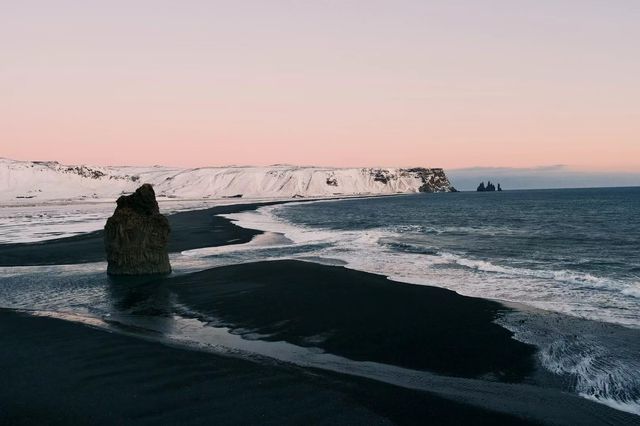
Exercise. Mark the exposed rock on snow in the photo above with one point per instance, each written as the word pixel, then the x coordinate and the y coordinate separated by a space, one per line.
pixel 54 181
pixel 136 236
pixel 433 180
pixel 331 180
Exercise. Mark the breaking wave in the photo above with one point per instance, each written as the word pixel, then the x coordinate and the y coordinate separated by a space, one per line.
pixel 407 253
pixel 397 253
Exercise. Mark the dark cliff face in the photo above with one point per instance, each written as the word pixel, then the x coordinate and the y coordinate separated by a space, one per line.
pixel 433 180
pixel 136 236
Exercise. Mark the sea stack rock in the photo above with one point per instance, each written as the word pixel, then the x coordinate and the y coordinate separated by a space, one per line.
pixel 136 236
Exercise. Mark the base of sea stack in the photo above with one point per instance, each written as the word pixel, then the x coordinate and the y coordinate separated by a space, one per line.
pixel 161 266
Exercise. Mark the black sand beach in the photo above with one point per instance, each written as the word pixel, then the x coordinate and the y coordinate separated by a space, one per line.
pixel 189 230
pixel 59 372
pixel 358 315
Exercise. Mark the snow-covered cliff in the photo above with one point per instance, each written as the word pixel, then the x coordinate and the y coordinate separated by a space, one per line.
pixel 38 180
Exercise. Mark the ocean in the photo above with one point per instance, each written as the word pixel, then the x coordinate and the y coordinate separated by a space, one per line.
pixel 566 259
pixel 575 251
pixel 570 259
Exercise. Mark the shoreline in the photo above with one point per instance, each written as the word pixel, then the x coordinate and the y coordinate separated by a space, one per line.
pixel 258 302
pixel 482 400
pixel 301 234
pixel 189 230
pixel 223 201
pixel 94 376
pixel 88 246
pixel 324 307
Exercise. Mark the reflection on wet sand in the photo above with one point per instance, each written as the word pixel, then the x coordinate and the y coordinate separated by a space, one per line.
pixel 140 303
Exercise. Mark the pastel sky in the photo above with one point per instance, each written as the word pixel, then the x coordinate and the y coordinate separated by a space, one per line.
pixel 451 83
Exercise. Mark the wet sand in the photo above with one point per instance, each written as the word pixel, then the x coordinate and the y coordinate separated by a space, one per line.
pixel 189 230
pixel 58 372
pixel 359 316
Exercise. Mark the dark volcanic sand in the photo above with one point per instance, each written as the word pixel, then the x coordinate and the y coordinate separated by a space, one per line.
pixel 358 315
pixel 56 372
pixel 189 230
pixel 366 317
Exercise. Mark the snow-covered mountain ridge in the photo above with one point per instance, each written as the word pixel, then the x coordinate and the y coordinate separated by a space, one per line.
pixel 50 180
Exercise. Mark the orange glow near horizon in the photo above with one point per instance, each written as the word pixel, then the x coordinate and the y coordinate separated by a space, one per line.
pixel 326 83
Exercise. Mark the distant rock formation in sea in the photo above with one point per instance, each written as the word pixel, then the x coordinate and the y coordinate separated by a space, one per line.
pixel 490 187
pixel 49 180
pixel 136 236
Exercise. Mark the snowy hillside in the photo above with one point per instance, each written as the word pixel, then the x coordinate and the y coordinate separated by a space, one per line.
pixel 39 181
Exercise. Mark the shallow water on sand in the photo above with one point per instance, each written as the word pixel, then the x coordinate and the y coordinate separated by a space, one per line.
pixel 571 252
pixel 589 351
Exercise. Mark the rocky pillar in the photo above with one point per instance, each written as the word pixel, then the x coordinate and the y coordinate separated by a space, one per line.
pixel 136 236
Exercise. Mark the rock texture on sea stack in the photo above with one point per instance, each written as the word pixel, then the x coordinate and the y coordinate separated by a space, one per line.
pixel 136 236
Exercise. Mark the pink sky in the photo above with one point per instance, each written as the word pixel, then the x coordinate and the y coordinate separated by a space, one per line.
pixel 343 83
